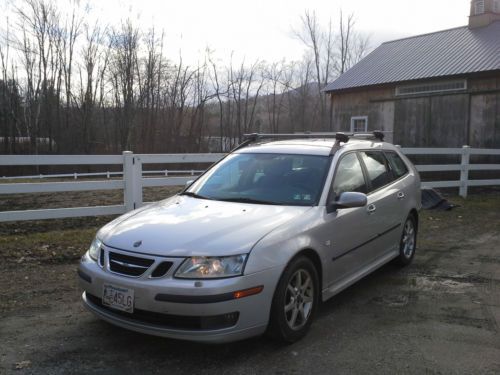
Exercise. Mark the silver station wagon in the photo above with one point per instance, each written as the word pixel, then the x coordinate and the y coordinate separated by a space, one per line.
pixel 254 245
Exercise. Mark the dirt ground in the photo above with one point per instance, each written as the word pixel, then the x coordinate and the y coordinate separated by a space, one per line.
pixel 440 315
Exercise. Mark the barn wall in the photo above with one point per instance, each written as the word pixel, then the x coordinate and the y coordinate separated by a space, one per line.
pixel 380 114
pixel 435 120
pixel 485 113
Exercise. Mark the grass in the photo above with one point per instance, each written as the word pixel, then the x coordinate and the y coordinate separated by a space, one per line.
pixel 65 240
pixel 473 216
pixel 61 240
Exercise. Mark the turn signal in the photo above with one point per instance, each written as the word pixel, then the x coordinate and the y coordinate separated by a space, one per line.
pixel 248 292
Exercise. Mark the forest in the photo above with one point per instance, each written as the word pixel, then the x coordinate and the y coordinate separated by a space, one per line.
pixel 71 85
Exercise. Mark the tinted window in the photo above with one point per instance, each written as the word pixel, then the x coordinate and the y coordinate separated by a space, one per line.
pixel 397 164
pixel 349 176
pixel 376 166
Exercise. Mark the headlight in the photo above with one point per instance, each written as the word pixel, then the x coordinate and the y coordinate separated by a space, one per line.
pixel 211 267
pixel 94 248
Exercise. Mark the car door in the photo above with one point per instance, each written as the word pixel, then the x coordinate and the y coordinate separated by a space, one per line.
pixel 345 232
pixel 382 205
pixel 403 184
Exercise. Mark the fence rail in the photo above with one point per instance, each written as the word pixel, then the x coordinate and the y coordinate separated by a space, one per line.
pixel 464 167
pixel 134 178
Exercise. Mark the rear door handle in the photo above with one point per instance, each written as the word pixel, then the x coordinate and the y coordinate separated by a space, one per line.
pixel 401 195
pixel 371 208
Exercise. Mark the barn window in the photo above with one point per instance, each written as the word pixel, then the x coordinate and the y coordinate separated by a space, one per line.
pixel 359 124
pixel 433 87
pixel 479 7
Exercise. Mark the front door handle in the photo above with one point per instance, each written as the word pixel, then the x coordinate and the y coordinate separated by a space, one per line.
pixel 401 195
pixel 371 208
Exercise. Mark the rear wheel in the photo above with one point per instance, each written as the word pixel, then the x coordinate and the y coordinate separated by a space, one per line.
pixel 408 243
pixel 295 301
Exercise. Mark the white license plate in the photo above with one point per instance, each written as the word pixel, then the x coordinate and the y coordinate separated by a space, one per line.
pixel 118 297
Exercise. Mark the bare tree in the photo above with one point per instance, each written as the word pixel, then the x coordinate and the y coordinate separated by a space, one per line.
pixel 123 71
pixel 91 70
pixel 36 19
pixel 92 88
pixel 352 46
pixel 302 99
pixel 201 95
pixel 318 42
pixel 149 81
pixel 218 93
pixel 10 99
pixel 278 78
pixel 72 31
pixel 330 53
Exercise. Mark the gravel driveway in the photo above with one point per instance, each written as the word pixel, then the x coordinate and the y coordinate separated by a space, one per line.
pixel 439 315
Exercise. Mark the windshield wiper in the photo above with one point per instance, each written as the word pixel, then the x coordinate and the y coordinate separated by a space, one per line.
pixel 248 200
pixel 194 195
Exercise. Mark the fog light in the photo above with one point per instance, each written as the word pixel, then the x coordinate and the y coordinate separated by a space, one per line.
pixel 220 321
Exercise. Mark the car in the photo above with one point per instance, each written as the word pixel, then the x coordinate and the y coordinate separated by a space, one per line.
pixel 258 241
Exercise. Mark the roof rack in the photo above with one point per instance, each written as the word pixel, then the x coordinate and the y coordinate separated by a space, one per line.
pixel 338 136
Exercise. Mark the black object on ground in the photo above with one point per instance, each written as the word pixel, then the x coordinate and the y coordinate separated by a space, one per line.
pixel 432 200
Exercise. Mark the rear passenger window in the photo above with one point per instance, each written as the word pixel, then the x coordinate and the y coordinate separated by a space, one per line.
pixel 376 167
pixel 349 176
pixel 397 164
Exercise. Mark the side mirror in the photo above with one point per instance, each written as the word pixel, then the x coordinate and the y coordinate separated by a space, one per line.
pixel 348 200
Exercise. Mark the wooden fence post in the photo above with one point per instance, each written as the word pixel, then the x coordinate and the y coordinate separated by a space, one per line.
pixel 132 178
pixel 464 171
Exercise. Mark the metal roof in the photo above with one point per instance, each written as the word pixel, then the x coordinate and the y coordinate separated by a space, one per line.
pixel 443 53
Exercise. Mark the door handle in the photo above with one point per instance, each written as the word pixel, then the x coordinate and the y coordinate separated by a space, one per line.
pixel 401 195
pixel 371 208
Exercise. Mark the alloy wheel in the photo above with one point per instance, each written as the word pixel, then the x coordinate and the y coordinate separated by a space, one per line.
pixel 408 241
pixel 299 299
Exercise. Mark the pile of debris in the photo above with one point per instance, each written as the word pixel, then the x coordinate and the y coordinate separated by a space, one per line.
pixel 432 200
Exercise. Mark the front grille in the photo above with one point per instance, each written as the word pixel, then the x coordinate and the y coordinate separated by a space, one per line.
pixel 172 321
pixel 128 265
pixel 161 269
pixel 101 257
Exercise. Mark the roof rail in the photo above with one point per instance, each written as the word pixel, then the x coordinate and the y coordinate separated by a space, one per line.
pixel 377 134
pixel 338 136
pixel 259 136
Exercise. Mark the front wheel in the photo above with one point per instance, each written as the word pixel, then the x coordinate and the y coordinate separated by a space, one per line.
pixel 295 301
pixel 408 242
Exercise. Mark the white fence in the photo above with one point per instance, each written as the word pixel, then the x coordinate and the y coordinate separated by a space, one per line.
pixel 464 167
pixel 131 184
pixel 133 181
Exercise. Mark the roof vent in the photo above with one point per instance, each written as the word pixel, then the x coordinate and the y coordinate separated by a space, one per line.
pixel 431 87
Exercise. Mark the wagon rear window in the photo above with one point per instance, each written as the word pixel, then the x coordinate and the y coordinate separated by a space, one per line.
pixel 398 166
pixel 376 167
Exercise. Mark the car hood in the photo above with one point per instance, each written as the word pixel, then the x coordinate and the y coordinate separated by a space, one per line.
pixel 186 226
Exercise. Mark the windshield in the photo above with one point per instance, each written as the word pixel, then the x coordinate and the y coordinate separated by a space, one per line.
pixel 283 179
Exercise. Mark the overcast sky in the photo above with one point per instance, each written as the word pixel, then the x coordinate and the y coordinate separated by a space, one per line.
pixel 261 29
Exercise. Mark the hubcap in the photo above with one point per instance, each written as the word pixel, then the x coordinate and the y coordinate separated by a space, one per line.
pixel 299 298
pixel 408 242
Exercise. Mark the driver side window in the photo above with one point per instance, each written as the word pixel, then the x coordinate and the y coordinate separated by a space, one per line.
pixel 349 176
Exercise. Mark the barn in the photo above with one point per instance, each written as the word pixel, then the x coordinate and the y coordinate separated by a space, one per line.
pixel 440 89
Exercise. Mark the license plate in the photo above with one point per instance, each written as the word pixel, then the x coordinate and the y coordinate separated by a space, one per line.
pixel 118 298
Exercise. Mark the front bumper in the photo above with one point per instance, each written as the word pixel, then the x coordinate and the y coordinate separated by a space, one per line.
pixel 187 301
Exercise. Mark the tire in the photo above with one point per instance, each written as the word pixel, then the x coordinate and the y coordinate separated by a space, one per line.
pixel 408 242
pixel 295 301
